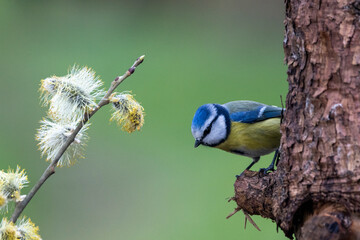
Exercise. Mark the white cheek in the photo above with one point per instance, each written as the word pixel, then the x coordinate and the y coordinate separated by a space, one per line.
pixel 217 133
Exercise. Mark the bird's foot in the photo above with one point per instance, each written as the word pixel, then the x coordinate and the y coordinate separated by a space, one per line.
pixel 238 176
pixel 265 171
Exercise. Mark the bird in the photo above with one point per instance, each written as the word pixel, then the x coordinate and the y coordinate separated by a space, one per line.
pixel 246 128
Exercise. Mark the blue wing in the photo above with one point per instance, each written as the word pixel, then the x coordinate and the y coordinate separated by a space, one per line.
pixel 258 114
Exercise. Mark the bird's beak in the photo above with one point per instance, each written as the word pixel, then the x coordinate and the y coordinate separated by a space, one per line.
pixel 197 143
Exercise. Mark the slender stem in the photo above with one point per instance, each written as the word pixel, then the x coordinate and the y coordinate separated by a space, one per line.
pixel 50 170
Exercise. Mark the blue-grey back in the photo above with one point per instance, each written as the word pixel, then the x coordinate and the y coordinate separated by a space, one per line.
pixel 242 106
pixel 251 112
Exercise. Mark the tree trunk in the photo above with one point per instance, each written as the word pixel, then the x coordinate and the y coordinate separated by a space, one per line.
pixel 315 191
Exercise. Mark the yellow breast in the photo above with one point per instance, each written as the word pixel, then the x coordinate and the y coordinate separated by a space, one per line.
pixel 253 139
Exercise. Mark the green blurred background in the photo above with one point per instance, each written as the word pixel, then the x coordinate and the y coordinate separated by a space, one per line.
pixel 151 184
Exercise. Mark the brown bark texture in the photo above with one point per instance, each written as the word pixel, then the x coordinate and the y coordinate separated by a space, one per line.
pixel 315 191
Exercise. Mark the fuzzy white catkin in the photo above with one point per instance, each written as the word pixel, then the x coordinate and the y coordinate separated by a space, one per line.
pixel 11 182
pixel 27 230
pixel 53 135
pixel 71 96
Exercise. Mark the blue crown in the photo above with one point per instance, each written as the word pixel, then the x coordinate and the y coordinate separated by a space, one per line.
pixel 201 115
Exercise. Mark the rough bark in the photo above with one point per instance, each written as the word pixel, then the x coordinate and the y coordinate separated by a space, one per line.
pixel 315 191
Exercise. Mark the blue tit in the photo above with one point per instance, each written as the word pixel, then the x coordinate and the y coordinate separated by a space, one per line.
pixel 246 128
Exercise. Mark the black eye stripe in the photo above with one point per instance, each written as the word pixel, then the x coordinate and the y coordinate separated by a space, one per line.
pixel 208 129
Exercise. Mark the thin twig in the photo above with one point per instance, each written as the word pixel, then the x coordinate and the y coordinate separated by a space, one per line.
pixel 233 213
pixel 247 217
pixel 50 170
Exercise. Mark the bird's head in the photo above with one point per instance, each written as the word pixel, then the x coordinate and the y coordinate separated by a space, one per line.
pixel 211 125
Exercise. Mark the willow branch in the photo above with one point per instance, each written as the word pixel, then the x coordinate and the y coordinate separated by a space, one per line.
pixel 50 170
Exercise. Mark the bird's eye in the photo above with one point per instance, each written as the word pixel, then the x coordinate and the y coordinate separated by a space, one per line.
pixel 207 130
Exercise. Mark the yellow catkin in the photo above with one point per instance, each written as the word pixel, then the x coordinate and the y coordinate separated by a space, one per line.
pixel 2 200
pixel 8 230
pixel 28 230
pixel 128 112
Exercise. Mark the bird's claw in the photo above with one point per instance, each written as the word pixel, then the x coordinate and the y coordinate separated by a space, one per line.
pixel 238 176
pixel 265 171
